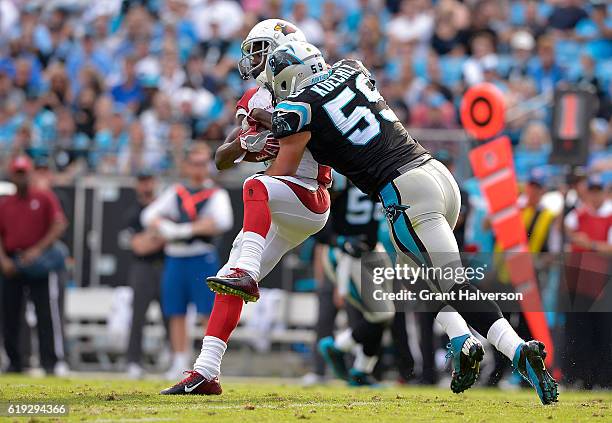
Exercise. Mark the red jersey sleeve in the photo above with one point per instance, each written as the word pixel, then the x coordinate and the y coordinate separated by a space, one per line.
pixel 242 107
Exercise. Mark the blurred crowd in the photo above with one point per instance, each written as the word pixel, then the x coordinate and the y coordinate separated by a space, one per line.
pixel 122 86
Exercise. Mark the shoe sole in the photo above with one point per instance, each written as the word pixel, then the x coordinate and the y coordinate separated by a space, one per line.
pixel 459 385
pixel 221 288
pixel 537 375
pixel 327 356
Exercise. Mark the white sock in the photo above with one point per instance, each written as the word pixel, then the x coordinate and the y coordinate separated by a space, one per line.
pixel 503 337
pixel 364 363
pixel 208 363
pixel 250 253
pixel 452 323
pixel 344 340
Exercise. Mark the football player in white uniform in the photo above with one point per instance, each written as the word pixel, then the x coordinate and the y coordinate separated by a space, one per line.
pixel 279 212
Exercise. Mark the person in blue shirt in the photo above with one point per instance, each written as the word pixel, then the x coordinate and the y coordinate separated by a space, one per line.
pixel 543 69
pixel 596 30
pixel 129 92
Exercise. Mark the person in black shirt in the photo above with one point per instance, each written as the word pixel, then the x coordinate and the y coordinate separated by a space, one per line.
pixel 350 233
pixel 145 269
pixel 339 115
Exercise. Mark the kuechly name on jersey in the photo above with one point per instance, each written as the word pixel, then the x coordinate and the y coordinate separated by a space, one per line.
pixel 353 130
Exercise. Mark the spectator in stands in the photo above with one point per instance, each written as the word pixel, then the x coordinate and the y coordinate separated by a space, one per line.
pixel 413 23
pixel 156 122
pixel 544 70
pixel 596 30
pixel 145 269
pixel 129 92
pixel 68 155
pixel 522 44
pixel 533 149
pixel 31 221
pixel 111 136
pixel 589 229
pixel 482 46
pixel 188 217
pixel 566 14
pixel 449 34
pixel 588 80
pixel 311 27
pixel 87 53
pixel 134 157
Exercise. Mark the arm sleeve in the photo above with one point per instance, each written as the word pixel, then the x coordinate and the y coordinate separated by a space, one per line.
pixel 290 117
pixel 219 208
pixel 242 107
pixel 163 206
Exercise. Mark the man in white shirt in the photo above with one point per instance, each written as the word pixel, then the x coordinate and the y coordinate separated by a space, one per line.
pixel 188 217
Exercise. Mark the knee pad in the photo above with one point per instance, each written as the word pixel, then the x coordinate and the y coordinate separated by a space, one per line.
pixel 254 190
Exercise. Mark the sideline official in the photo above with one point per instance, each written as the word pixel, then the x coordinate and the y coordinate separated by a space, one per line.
pixel 189 217
pixel 31 220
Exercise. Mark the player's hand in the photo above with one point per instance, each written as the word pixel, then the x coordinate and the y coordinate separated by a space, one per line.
pixel 8 267
pixel 254 142
pixel 355 246
pixel 30 255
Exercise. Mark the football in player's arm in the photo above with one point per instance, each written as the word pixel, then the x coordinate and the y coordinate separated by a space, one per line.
pixel 233 147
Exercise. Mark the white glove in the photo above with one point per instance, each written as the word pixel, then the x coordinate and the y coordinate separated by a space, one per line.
pixel 254 143
pixel 172 231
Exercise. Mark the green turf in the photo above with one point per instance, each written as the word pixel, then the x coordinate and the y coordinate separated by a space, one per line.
pixel 267 401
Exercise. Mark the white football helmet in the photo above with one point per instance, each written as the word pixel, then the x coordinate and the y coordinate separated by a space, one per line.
pixel 294 66
pixel 263 39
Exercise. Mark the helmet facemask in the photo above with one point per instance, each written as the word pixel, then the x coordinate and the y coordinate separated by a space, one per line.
pixel 254 54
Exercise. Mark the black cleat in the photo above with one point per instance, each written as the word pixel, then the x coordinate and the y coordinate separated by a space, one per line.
pixel 334 357
pixel 238 283
pixel 467 353
pixel 358 378
pixel 529 362
pixel 194 384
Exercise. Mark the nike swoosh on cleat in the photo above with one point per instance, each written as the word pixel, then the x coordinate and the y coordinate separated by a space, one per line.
pixel 188 389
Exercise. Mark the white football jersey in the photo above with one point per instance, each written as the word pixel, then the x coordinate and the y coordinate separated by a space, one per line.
pixel 309 173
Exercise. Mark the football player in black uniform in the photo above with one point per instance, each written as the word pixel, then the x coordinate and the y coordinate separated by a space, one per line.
pixel 352 231
pixel 343 120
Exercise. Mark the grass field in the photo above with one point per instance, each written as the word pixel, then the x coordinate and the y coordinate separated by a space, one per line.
pixel 106 400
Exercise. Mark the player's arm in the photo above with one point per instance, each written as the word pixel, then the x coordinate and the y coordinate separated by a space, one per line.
pixel 230 150
pixel 262 117
pixel 290 154
pixel 291 127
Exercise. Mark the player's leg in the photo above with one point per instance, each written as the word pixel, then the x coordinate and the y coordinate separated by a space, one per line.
pixel 291 223
pixel 363 339
pixel 296 212
pixel 419 227
pixel 429 199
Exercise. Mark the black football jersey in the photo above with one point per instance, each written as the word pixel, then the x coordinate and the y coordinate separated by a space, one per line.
pixel 353 213
pixel 353 130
